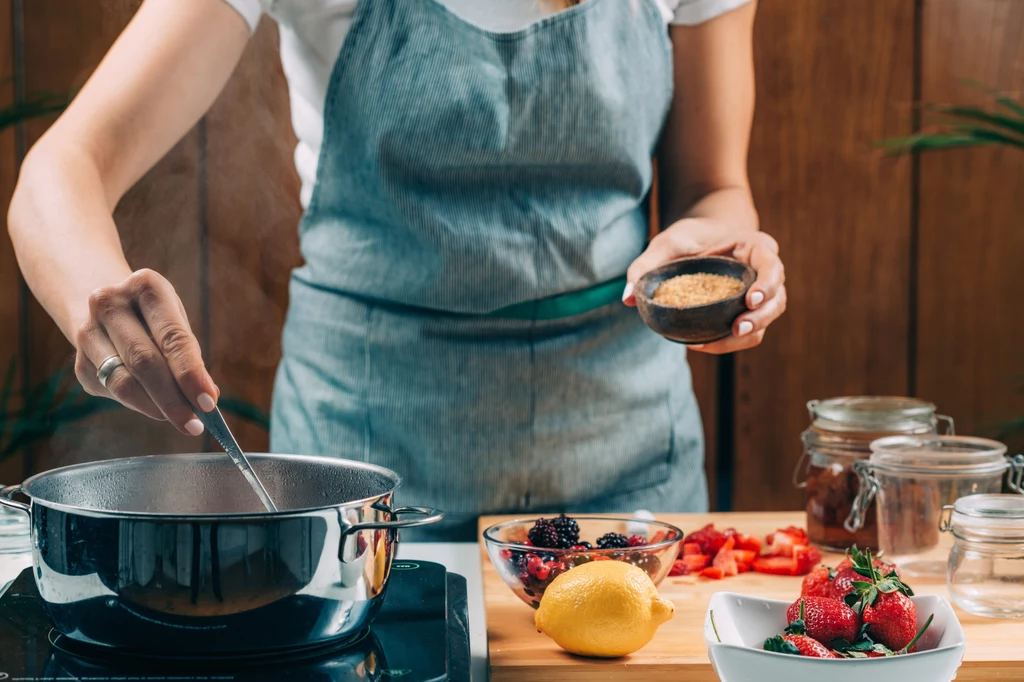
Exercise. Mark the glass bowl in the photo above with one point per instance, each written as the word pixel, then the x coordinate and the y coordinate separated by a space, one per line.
pixel 511 556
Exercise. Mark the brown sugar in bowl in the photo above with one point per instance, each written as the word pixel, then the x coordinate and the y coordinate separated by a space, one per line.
pixel 697 323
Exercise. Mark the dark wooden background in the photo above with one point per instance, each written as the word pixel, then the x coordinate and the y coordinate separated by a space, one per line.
pixel 901 272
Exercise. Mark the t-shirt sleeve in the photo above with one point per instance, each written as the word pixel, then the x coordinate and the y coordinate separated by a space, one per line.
pixel 693 12
pixel 251 10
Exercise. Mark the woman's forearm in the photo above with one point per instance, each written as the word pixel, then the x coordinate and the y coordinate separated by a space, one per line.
pixel 732 206
pixel 63 232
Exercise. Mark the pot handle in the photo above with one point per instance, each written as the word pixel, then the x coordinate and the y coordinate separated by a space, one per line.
pixel 865 496
pixel 7 499
pixel 426 514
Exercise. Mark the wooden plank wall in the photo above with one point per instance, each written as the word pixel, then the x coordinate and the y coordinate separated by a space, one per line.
pixel 833 77
pixel 899 273
pixel 970 326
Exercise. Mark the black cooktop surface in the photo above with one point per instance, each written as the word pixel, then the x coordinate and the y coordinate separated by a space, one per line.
pixel 420 634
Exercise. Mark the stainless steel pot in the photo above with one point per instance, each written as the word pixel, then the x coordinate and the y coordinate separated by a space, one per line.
pixel 174 553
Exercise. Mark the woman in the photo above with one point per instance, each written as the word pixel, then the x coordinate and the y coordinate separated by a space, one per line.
pixel 475 176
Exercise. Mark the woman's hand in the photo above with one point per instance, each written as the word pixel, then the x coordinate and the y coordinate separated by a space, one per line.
pixel 766 298
pixel 143 321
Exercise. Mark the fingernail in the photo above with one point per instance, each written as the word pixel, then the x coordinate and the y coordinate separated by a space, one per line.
pixel 695 346
pixel 628 291
pixel 745 328
pixel 756 298
pixel 206 403
pixel 194 427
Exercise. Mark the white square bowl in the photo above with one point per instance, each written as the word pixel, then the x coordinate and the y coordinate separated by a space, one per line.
pixel 744 622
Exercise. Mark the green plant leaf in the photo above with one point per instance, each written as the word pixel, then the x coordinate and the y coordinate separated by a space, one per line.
pixel 1015 125
pixel 39 105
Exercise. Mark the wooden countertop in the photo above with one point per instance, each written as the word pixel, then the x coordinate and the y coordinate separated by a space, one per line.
pixel 995 648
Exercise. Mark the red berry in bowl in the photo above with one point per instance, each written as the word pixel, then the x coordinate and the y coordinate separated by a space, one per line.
pixel 636 541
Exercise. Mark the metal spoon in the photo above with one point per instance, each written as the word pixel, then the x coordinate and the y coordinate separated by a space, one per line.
pixel 215 424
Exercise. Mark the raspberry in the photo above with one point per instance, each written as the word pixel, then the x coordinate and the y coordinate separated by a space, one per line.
pixel 636 541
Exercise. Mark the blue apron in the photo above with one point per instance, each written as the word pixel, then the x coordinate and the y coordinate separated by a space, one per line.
pixel 473 187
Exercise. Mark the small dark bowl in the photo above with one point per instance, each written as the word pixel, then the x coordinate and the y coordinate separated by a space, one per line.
pixel 696 324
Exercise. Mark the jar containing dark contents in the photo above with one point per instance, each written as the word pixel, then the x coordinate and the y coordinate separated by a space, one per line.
pixel 909 480
pixel 840 434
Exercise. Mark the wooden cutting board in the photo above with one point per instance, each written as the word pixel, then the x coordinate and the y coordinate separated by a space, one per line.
pixel 995 648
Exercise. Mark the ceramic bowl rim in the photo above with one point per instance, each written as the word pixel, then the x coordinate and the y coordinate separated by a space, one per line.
pixel 960 643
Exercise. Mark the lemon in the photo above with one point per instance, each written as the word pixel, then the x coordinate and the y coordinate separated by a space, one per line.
pixel 604 609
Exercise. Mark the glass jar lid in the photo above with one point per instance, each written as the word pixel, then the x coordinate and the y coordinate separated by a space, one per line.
pixel 939 455
pixel 880 414
pixel 986 518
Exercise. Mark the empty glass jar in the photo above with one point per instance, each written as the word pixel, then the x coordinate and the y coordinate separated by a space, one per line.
pixel 841 433
pixel 985 572
pixel 909 479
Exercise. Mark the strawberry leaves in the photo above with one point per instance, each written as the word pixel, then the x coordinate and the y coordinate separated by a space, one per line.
pixel 863 646
pixel 779 645
pixel 798 626
pixel 865 592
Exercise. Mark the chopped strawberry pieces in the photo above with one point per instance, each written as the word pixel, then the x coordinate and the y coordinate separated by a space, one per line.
pixel 692 563
pixel 775 565
pixel 691 548
pixel 744 556
pixel 712 573
pixel 709 539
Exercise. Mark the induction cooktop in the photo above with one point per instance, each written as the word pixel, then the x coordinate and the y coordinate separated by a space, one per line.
pixel 420 634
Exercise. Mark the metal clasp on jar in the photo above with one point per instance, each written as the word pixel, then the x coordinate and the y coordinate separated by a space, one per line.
pixel 865 497
pixel 946 518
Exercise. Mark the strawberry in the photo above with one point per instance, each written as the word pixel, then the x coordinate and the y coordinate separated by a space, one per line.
pixel 691 563
pixel 800 645
pixel 892 619
pixel 744 556
pixel 806 558
pixel 713 573
pixel 749 542
pixel 800 561
pixel 709 539
pixel 854 569
pixel 726 563
pixel 883 603
pixel 818 583
pixel 782 542
pixel 825 619
pixel 692 548
pixel 797 637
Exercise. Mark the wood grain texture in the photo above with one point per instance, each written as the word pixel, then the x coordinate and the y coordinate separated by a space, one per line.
pixel 677 652
pixel 157 220
pixel 11 469
pixel 972 224
pixel 252 216
pixel 834 77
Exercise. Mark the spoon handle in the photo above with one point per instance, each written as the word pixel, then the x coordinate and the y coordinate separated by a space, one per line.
pixel 218 428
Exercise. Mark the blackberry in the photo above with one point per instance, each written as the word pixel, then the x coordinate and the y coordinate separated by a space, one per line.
pixel 568 531
pixel 544 534
pixel 612 541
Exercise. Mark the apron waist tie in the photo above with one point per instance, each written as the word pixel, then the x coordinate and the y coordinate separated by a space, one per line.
pixel 569 304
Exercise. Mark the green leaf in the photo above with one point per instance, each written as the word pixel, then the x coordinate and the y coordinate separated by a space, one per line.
pixel 1014 125
pixel 780 646
pixel 1001 99
pixel 39 105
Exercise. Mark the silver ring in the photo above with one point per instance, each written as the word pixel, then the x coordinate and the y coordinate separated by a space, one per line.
pixel 107 368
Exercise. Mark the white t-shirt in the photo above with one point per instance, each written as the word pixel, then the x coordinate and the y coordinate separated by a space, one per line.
pixel 312 32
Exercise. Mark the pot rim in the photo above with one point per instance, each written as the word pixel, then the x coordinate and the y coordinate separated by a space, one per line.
pixel 194 517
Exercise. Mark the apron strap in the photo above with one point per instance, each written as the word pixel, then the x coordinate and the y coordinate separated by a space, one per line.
pixel 564 305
